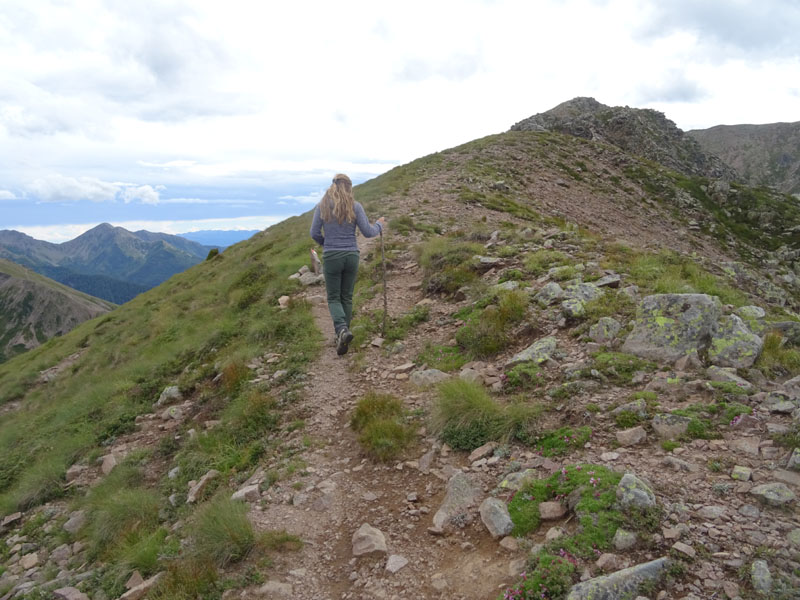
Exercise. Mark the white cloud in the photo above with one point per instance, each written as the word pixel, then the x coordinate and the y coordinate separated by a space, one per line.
pixel 64 233
pixel 60 188
pixel 6 195
pixel 143 193
pixel 311 198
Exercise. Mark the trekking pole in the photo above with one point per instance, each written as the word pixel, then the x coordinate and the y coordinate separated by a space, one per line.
pixel 385 302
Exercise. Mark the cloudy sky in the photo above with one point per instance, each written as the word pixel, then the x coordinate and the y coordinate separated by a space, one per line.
pixel 198 114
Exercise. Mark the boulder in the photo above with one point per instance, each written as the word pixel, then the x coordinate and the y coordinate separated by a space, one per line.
pixel 540 351
pixel 605 330
pixel 368 541
pixel 585 292
pixel 311 279
pixel 632 492
pixel 727 375
pixel 572 308
pixel 670 326
pixel 632 436
pixel 462 494
pixel 794 460
pixel 428 377
pixel 69 593
pixel 549 294
pixel 75 522
pixel 249 493
pixel 792 387
pixel 638 407
pixel 734 345
pixel 611 280
pixel 170 394
pixel 774 494
pixel 621 584
pixel 494 514
pixel 790 330
pixel 760 577
pixel 670 427
pixel 109 461
pixel 624 539
pixel 551 511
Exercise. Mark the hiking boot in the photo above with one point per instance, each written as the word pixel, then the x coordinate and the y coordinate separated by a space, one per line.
pixel 343 341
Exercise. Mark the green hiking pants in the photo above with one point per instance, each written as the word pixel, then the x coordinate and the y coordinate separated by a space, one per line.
pixel 340 269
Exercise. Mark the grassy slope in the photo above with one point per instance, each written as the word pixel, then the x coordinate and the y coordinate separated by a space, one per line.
pixel 222 311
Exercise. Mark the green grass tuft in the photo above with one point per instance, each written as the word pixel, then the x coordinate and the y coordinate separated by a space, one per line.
pixel 776 358
pixel 380 423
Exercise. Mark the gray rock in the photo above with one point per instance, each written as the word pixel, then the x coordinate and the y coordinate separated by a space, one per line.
pixel 248 493
pixel 171 393
pixel 494 514
pixel 790 330
pixel 794 460
pixel 727 375
pixel 173 413
pixel 774 494
pixel 792 387
pixel 750 313
pixel 109 461
pixel 538 352
pixel 605 330
pixel 612 281
pixel 573 308
pixel 462 494
pixel 69 593
pixel 585 292
pixel 395 563
pixel 741 473
pixel 515 481
pixel 632 436
pixel 506 286
pixel 368 540
pixel 551 511
pixel 141 590
pixel 638 407
pixel 670 427
pixel 74 472
pixel 711 512
pixel 734 345
pixel 311 279
pixel 482 452
pixel 549 294
pixel 61 554
pixel 75 522
pixel 624 539
pixel 794 537
pixel 273 590
pixel 670 326
pixel 428 377
pixel 621 584
pixel 632 492
pixel 197 489
pixel 760 577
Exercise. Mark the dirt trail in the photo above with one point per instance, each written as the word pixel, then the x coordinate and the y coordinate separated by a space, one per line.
pixel 343 489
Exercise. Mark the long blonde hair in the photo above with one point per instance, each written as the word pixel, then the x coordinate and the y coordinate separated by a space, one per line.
pixel 337 203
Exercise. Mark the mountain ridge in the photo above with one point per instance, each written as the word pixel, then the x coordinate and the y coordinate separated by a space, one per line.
pixel 103 255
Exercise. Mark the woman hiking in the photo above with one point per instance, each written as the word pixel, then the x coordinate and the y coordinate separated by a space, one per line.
pixel 338 214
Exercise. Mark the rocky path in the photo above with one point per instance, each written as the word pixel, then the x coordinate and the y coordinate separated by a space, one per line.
pixel 342 490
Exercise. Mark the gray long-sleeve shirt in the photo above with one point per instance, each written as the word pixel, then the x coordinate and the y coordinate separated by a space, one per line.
pixel 342 237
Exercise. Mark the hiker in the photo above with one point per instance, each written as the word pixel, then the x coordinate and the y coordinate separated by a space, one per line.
pixel 338 214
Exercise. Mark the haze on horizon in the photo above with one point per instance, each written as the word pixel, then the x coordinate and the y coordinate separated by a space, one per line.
pixel 176 116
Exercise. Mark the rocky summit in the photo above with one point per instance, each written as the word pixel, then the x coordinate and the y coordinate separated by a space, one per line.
pixel 584 383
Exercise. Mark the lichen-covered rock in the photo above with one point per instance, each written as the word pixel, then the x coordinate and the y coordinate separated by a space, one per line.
pixel 605 330
pixel 670 427
pixel 794 460
pixel 621 584
pixel 624 539
pixel 572 308
pixel 585 292
pixel 753 316
pixel 538 352
pixel 790 330
pixel 792 387
pixel 760 577
pixel 670 326
pixel 171 393
pixel 774 494
pixel 632 492
pixel 734 345
pixel 638 407
pixel 549 294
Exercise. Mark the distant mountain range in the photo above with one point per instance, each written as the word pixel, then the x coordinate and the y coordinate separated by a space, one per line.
pixel 108 262
pixel 34 308
pixel 761 154
pixel 219 237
